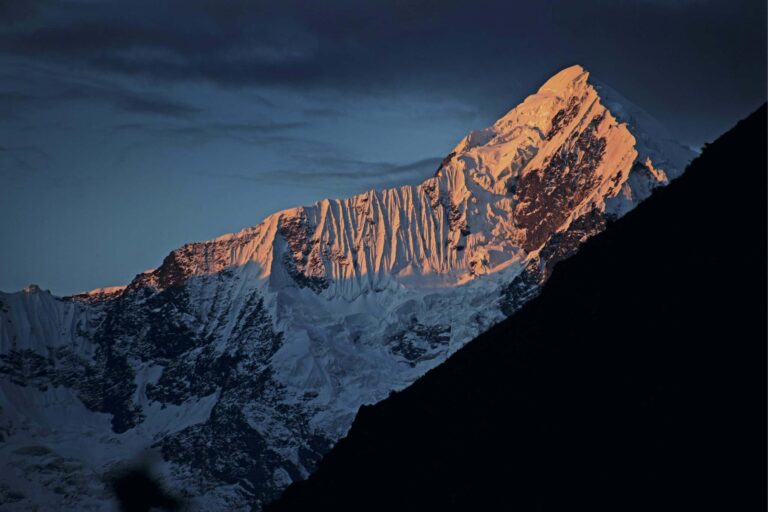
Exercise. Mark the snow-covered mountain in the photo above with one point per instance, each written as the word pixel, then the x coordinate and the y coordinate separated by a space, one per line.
pixel 241 360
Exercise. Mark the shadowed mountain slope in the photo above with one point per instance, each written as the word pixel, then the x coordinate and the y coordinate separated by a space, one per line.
pixel 635 381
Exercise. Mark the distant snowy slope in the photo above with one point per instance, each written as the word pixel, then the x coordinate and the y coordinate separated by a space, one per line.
pixel 241 360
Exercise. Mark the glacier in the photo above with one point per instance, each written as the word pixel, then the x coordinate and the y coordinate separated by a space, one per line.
pixel 239 361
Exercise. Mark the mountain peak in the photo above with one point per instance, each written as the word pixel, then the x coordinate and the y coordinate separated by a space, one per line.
pixel 565 80
pixel 475 216
pixel 563 90
pixel 263 344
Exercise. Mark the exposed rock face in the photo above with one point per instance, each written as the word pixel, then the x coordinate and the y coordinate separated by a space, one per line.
pixel 241 360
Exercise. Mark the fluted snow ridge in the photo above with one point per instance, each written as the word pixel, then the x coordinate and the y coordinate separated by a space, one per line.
pixel 471 218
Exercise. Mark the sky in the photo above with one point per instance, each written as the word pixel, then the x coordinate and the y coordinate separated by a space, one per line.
pixel 130 128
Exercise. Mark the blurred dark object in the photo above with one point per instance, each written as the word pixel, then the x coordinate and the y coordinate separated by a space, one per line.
pixel 137 491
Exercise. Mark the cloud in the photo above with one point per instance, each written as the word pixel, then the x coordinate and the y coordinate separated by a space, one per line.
pixel 24 149
pixel 363 170
pixel 253 133
pixel 17 159
pixel 486 53
pixel 32 85
pixel 475 52
pixel 336 173
pixel 214 127
pixel 282 140
pixel 130 101
pixel 15 11
pixel 116 97
pixel 324 113
pixel 302 160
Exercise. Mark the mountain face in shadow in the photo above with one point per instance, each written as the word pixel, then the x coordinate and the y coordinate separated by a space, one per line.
pixel 635 381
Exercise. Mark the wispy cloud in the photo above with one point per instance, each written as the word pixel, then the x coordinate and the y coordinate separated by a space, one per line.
pixel 27 85
pixel 262 134
pixel 15 159
pixel 334 174
pixel 383 48
pixel 119 98
pixel 324 113
pixel 215 128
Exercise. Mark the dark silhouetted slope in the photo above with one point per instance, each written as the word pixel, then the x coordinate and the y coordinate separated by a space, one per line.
pixel 636 381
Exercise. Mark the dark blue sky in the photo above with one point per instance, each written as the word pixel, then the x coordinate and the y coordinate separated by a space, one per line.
pixel 130 128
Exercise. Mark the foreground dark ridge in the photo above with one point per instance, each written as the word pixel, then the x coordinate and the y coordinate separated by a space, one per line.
pixel 635 381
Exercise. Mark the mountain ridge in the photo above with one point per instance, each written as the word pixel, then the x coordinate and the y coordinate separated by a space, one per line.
pixel 242 359
pixel 564 84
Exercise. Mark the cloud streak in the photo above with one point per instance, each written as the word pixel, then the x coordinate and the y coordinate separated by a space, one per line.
pixel 333 174
pixel 26 85
pixel 118 98
pixel 307 162
pixel 15 159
